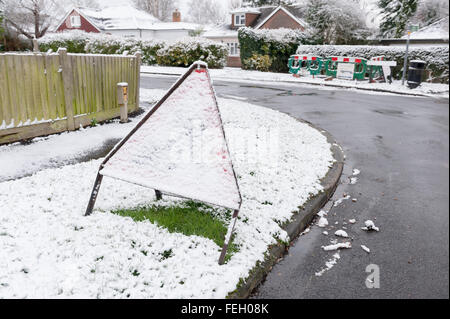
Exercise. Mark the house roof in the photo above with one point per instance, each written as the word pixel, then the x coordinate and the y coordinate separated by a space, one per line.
pixel 270 11
pixel 119 18
pixel 220 31
pixel 127 17
pixel 266 12
pixel 246 10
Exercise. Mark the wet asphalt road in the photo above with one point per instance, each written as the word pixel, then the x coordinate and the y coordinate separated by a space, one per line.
pixel 401 146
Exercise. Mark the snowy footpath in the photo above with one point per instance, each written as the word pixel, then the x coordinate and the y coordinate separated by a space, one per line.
pixel 239 75
pixel 48 249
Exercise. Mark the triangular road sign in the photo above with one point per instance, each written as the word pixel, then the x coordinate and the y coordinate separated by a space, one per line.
pixel 179 148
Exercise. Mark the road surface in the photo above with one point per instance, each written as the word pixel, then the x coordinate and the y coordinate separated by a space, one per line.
pixel 401 146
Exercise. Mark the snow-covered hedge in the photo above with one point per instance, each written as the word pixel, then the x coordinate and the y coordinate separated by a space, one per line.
pixel 437 58
pixel 181 53
pixel 116 45
pixel 73 41
pixel 278 44
pixel 187 51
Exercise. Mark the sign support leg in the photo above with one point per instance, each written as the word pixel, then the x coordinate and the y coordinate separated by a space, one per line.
pixel 94 194
pixel 228 239
pixel 158 194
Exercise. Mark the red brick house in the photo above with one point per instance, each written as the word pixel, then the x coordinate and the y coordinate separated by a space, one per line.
pixel 76 20
pixel 268 17
pixel 125 21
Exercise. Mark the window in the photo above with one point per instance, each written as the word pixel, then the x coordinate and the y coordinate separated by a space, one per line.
pixel 239 19
pixel 233 49
pixel 75 21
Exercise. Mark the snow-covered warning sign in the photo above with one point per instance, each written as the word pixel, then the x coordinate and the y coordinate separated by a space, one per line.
pixel 179 147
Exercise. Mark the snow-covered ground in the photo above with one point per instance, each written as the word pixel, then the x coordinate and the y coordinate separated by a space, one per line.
pixel 239 75
pixel 49 249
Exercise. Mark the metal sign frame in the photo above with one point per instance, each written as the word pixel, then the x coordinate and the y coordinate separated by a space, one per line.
pixel 196 67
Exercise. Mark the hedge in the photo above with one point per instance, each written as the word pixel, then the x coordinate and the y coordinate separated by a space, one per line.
pixel 277 45
pixel 185 52
pixel 436 58
pixel 180 53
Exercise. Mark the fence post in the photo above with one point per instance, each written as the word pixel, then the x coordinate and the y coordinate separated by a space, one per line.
pixel 138 80
pixel 66 67
pixel 122 99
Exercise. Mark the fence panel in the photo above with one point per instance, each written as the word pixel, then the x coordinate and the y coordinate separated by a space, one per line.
pixel 42 94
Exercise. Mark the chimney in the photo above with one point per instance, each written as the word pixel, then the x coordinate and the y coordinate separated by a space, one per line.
pixel 176 16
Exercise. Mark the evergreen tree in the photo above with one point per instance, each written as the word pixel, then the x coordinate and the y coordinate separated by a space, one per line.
pixel 336 21
pixel 430 11
pixel 396 15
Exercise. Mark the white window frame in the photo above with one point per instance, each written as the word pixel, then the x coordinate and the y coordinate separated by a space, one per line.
pixel 239 19
pixel 75 21
pixel 233 49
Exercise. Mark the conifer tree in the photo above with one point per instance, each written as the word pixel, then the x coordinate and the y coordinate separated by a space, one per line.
pixel 396 15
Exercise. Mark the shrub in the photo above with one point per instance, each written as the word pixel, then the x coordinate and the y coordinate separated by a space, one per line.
pixel 187 51
pixel 74 41
pixel 278 44
pixel 436 58
pixel 116 45
pixel 259 62
pixel 181 53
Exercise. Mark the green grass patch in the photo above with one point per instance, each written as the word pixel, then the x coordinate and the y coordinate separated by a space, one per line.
pixel 191 218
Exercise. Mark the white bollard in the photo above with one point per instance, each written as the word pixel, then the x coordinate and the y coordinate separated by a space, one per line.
pixel 122 100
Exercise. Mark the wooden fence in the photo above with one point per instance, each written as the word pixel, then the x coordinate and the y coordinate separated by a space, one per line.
pixel 42 94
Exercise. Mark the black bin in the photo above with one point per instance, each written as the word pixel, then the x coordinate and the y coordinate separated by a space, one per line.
pixel 415 73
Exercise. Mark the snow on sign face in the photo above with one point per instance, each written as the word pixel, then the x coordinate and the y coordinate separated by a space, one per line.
pixel 181 149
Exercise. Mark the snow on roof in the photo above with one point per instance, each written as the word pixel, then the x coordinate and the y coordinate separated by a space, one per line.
pixel 126 17
pixel 119 18
pixel 436 30
pixel 174 26
pixel 246 10
pixel 220 31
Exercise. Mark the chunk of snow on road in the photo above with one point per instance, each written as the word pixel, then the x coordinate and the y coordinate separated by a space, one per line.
pixel 323 222
pixel 341 233
pixel 52 250
pixel 337 246
pixel 352 221
pixel 356 172
pixel 370 226
pixel 325 233
pixel 353 180
pixel 354 200
pixel 306 231
pixel 329 264
pixel 341 200
pixel 322 213
pixel 366 249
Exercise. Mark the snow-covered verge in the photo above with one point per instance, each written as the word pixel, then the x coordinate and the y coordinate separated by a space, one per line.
pixel 236 75
pixel 48 249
